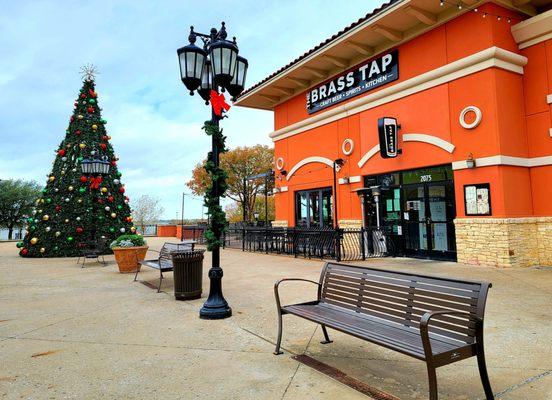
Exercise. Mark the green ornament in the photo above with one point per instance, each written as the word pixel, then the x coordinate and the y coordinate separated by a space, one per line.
pixel 32 228
pixel 19 245
pixel 30 220
pixel 101 217
pixel 70 238
pixel 92 101
pixel 79 158
pixel 111 229
pixel 119 174
pixel 48 200
pixel 82 190
pixel 56 248
pixel 119 207
pixel 103 121
pixel 44 190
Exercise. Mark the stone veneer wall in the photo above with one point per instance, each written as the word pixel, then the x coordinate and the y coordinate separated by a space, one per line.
pixel 504 242
pixel 350 223
pixel 280 224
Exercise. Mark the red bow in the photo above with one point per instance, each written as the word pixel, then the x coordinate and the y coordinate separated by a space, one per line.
pixel 218 102
pixel 95 182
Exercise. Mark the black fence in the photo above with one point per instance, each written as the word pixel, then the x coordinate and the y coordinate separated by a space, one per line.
pixel 337 244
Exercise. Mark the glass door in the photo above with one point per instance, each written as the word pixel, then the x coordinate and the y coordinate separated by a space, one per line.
pixel 313 208
pixel 428 219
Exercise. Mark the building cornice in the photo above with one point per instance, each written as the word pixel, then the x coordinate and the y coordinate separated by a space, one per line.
pixel 493 57
pixel 533 30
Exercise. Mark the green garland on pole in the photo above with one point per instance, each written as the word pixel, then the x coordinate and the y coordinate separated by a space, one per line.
pixel 218 176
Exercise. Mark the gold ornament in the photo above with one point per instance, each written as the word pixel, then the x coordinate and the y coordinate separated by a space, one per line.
pixel 82 146
pixel 80 116
pixel 70 188
pixel 133 229
pixel 94 126
pixel 45 217
pixel 52 178
pixel 104 190
pixel 113 215
pixel 79 200
pixel 42 201
pixel 42 249
pixel 34 240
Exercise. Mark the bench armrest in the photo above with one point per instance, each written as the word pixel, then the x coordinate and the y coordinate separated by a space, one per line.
pixel 277 284
pixel 426 319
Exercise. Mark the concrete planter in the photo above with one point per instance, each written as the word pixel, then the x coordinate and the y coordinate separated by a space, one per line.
pixel 127 258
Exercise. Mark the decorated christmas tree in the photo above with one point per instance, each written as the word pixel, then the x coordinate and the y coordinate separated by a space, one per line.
pixel 84 200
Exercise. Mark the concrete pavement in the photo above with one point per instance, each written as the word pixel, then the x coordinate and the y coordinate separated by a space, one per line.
pixel 67 332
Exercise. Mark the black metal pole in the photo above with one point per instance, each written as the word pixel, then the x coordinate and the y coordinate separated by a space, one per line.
pixel 266 200
pixel 244 201
pixel 182 220
pixel 336 224
pixel 216 306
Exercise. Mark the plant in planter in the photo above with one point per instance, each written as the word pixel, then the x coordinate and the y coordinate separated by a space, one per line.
pixel 129 250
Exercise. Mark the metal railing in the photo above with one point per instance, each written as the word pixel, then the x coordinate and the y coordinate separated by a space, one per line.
pixel 338 244
pixel 196 233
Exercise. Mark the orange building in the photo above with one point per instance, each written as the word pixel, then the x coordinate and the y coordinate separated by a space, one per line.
pixel 439 115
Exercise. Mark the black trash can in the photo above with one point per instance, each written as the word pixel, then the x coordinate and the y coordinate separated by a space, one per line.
pixel 188 274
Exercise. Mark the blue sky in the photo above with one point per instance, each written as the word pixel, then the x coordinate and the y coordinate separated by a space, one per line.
pixel 155 125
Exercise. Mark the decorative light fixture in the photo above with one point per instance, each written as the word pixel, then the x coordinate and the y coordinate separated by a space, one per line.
pixel 470 162
pixel 192 61
pixel 95 166
pixel 208 70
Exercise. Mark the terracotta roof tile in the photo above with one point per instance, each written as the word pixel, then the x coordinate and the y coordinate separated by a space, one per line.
pixel 374 12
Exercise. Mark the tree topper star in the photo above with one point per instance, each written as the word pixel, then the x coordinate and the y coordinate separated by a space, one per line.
pixel 89 72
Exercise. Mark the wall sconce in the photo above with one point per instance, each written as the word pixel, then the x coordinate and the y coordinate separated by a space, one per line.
pixel 470 162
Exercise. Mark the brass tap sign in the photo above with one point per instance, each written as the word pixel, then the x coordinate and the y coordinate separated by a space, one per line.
pixel 368 76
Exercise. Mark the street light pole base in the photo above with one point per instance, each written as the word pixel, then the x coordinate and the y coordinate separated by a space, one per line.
pixel 220 312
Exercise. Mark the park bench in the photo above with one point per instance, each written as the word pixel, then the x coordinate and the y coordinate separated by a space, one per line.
pixel 163 262
pixel 93 249
pixel 436 320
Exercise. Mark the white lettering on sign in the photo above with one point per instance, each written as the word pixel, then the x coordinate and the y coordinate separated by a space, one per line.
pixel 425 178
pixel 366 77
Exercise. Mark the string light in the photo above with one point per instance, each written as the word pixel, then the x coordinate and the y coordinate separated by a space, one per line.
pixel 460 6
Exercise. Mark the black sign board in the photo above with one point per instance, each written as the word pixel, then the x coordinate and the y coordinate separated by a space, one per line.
pixel 368 76
pixel 388 137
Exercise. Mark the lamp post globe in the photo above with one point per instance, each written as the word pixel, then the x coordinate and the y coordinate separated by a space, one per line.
pixel 223 55
pixel 206 85
pixel 192 61
pixel 237 84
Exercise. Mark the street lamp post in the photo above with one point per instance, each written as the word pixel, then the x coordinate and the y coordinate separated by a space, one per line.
pixel 207 69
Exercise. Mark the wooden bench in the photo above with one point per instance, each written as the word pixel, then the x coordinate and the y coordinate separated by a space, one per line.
pixel 436 320
pixel 163 262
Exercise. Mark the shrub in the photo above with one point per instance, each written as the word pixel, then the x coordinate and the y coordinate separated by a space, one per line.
pixel 128 241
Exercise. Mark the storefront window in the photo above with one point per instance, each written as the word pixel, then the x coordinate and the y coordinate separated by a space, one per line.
pixel 314 208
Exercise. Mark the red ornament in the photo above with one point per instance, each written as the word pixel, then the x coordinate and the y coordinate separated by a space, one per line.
pixel 128 219
pixel 103 146
pixel 77 132
pixel 95 182
pixel 72 118
pixel 24 252
pixel 61 153
pixel 83 179
pixel 79 230
pixel 218 102
pixel 58 208
pixel 121 189
pixel 83 96
pixel 90 110
pixel 105 138
pixel 114 163
pixel 100 201
pixel 92 93
pixel 111 199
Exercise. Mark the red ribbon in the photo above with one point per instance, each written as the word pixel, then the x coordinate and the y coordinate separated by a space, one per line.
pixel 218 102
pixel 95 182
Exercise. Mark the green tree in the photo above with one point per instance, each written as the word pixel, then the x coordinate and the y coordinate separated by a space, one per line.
pixel 74 207
pixel 239 163
pixel 17 199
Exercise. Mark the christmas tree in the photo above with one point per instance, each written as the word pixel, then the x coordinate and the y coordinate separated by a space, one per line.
pixel 84 200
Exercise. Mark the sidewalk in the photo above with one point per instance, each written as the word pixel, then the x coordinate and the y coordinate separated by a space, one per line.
pixel 67 332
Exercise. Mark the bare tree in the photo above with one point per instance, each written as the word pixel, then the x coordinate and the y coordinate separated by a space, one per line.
pixel 146 209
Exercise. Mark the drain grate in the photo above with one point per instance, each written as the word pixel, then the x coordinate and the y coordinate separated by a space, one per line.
pixel 344 378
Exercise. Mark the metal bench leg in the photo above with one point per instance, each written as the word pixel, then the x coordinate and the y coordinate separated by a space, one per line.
pixel 432 382
pixel 483 372
pixel 136 274
pixel 277 351
pixel 83 261
pixel 160 280
pixel 326 336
